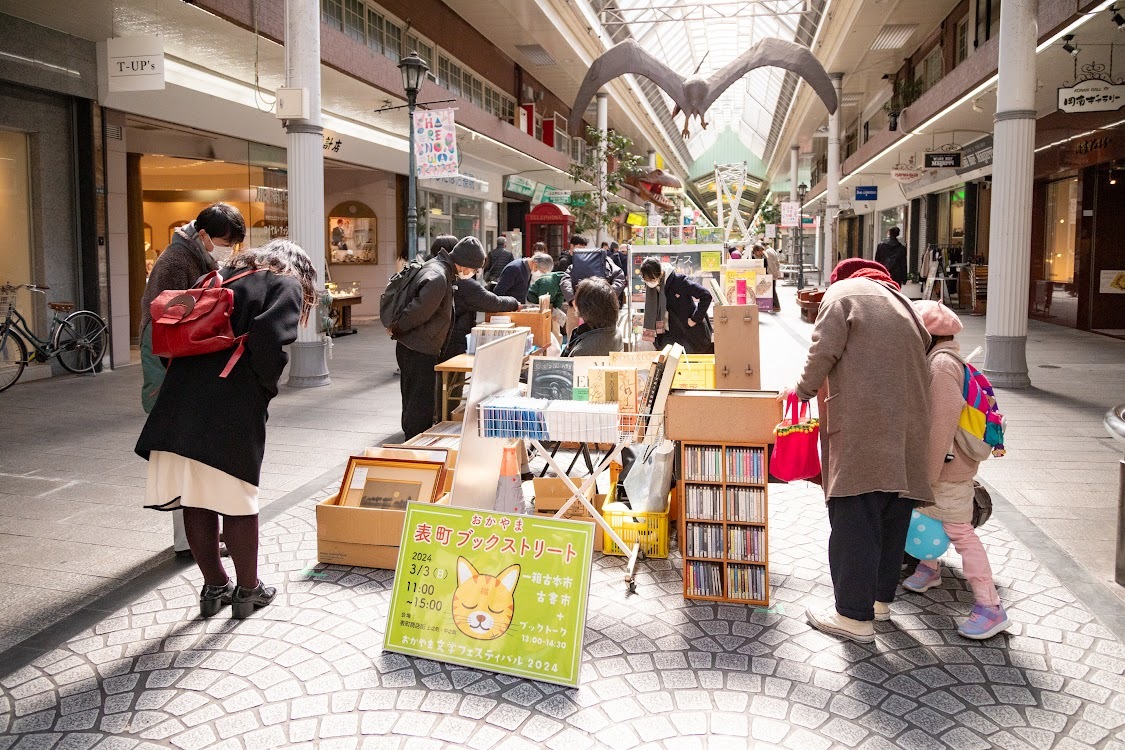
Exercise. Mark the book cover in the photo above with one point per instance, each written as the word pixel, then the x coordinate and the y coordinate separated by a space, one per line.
pixel 552 378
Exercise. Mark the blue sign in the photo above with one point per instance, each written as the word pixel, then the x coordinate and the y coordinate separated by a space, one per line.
pixel 867 192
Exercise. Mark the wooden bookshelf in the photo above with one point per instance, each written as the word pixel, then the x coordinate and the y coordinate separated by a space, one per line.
pixel 724 522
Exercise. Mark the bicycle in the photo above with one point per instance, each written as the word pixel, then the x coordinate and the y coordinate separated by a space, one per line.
pixel 79 340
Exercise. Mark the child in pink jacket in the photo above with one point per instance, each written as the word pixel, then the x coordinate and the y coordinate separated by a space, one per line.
pixel 951 476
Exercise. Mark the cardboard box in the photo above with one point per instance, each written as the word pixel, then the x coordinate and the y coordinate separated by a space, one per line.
pixel 726 416
pixel 551 493
pixel 367 537
pixel 577 512
pixel 539 321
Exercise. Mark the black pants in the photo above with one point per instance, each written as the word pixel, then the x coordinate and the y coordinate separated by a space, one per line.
pixel 416 382
pixel 776 301
pixel 865 550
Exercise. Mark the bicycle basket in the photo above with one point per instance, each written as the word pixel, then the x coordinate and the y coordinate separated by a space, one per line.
pixel 7 301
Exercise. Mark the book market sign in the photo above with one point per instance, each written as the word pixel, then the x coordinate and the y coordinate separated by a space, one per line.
pixel 494 591
pixel 435 143
pixel 1094 95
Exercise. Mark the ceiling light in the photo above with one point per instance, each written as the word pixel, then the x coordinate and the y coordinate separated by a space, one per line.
pixel 1068 47
pixel 894 36
pixel 537 54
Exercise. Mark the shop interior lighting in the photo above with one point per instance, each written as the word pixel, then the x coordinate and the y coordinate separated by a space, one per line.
pixel 1068 46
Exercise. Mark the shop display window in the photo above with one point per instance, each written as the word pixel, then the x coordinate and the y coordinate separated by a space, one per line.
pixel 15 217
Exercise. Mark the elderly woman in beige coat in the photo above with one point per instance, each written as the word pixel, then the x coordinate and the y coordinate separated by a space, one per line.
pixel 869 349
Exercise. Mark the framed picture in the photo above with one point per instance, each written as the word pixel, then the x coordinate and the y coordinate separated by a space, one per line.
pixel 389 484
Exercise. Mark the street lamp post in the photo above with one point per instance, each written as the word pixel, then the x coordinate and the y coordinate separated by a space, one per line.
pixel 414 71
pixel 802 190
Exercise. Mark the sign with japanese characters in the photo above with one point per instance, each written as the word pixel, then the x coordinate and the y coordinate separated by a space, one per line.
pixel 435 143
pixel 1092 96
pixel 135 63
pixel 495 591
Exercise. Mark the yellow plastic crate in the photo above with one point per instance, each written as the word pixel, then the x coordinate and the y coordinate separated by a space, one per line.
pixel 650 529
pixel 695 372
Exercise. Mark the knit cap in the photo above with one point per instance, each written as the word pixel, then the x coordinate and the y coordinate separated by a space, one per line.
pixel 938 319
pixel 468 253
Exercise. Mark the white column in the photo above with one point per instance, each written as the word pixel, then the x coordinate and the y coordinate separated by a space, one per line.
pixel 309 365
pixel 650 209
pixel 603 167
pixel 794 178
pixel 832 191
pixel 1009 255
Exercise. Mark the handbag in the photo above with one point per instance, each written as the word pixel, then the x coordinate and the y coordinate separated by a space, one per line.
pixel 796 453
pixel 982 505
pixel 190 322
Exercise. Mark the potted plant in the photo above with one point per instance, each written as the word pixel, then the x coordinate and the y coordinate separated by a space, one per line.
pixel 906 92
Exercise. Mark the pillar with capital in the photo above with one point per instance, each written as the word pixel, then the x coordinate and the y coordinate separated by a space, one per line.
pixel 832 190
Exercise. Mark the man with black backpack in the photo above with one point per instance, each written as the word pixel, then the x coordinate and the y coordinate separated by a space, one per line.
pixel 588 264
pixel 417 310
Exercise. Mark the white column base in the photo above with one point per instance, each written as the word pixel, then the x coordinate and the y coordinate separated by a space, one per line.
pixel 1006 361
pixel 308 364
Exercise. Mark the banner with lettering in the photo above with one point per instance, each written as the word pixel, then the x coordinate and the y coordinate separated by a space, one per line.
pixel 435 143
pixel 495 591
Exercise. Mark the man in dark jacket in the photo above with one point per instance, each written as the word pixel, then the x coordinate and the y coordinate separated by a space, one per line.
pixel 577 242
pixel 892 254
pixel 612 275
pixel 517 276
pixel 496 262
pixel 469 298
pixel 422 329
pixel 196 248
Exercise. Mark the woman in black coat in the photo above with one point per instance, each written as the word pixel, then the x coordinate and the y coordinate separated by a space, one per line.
pixel 675 309
pixel 206 436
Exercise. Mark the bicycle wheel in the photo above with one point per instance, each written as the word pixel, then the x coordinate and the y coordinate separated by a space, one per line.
pixel 80 341
pixel 13 358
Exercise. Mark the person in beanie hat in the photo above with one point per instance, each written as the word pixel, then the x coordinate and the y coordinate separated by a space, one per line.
pixel 868 361
pixel 470 297
pixel 422 329
pixel 951 471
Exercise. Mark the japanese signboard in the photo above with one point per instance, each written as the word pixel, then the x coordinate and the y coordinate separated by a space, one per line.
pixel 1092 96
pixel 943 160
pixel 547 194
pixel 906 176
pixel 135 63
pixel 517 185
pixel 790 210
pixel 494 591
pixel 435 143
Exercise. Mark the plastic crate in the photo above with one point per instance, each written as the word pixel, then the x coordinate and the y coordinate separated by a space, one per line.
pixel 650 529
pixel 695 372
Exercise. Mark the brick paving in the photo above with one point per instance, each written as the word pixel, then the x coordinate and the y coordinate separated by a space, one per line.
pixel 658 672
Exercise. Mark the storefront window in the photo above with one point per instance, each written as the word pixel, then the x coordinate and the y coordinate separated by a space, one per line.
pixel 15 216
pixel 1061 216
pixel 889 219
pixel 466 217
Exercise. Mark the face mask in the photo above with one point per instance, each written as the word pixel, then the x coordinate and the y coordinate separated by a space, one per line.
pixel 468 274
pixel 536 275
pixel 652 284
pixel 222 253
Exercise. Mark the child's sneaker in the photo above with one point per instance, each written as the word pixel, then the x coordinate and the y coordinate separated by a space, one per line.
pixel 923 579
pixel 984 622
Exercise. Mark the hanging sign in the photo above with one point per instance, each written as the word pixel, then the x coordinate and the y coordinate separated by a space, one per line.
pixel 790 213
pixel 135 63
pixel 771 231
pixel 976 155
pixel 517 185
pixel 1092 96
pixel 943 160
pixel 867 192
pixel 435 143
pixel 494 591
pixel 1112 282
pixel 556 195
pixel 906 176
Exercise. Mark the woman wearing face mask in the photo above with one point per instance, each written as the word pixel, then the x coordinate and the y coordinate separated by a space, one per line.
pixel 675 309
pixel 470 297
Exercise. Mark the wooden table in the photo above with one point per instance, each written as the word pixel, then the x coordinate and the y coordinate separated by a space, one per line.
pixel 462 365
pixel 343 307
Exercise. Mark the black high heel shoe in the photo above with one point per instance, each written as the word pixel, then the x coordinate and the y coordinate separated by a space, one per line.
pixel 212 598
pixel 245 601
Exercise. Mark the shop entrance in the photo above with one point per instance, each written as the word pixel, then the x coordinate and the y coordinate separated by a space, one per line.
pixel 15 217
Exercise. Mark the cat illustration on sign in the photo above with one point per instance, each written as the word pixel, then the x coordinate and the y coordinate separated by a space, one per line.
pixel 483 605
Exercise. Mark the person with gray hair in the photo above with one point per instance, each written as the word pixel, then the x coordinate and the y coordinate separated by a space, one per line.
pixel 206 435
pixel 517 276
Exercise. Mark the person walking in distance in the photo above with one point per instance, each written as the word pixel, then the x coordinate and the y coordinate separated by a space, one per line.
pixel 422 329
pixel 496 262
pixel 206 435
pixel 197 248
pixel 892 254
pixel 951 472
pixel 868 357
pixel 773 268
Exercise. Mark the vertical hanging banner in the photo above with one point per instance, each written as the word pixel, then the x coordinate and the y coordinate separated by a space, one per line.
pixel 135 63
pixel 435 143
pixel 790 214
pixel 505 593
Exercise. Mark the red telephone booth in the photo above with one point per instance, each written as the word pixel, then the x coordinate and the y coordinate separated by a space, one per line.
pixel 551 224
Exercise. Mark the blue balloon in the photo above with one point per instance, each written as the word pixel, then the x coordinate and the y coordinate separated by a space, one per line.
pixel 926 539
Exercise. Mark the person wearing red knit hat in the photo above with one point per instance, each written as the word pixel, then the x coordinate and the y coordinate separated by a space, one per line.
pixel 868 362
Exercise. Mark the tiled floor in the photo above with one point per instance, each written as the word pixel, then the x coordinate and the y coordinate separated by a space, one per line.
pixel 658 672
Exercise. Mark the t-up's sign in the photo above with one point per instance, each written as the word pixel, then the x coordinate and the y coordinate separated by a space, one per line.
pixel 135 63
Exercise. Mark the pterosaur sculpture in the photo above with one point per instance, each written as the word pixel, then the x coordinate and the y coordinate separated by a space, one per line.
pixel 694 94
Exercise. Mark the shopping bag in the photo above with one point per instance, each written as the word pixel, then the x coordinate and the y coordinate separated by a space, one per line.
pixel 650 477
pixel 795 451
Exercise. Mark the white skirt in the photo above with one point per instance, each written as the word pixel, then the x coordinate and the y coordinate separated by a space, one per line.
pixel 198 485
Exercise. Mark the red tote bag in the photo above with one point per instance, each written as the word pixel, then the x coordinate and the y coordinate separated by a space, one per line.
pixel 796 446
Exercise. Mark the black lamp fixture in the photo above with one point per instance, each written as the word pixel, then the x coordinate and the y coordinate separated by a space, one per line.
pixel 802 191
pixel 1068 46
pixel 414 71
